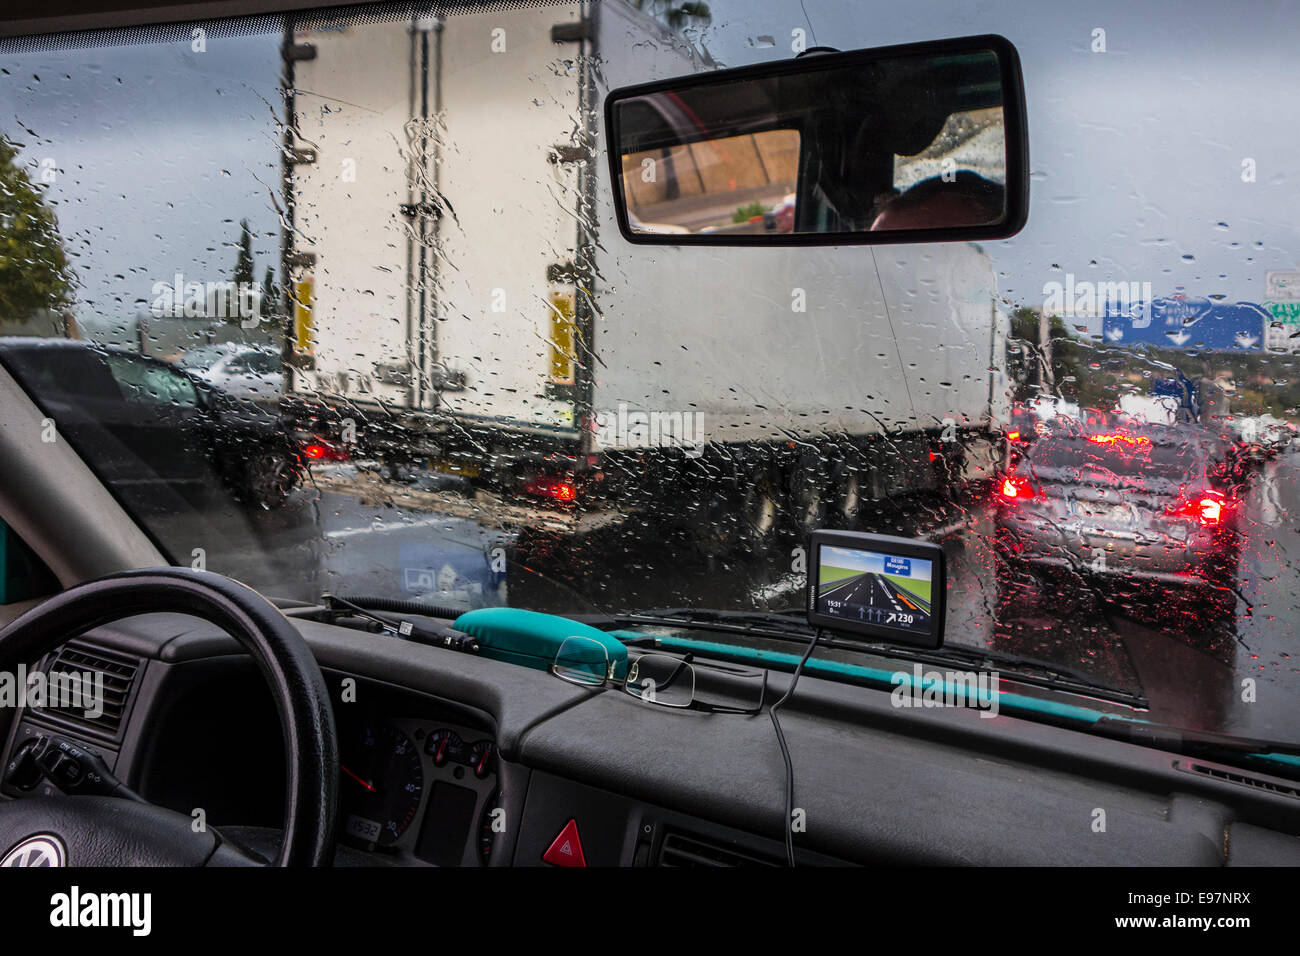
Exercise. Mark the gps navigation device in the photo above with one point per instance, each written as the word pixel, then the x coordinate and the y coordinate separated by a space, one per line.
pixel 876 586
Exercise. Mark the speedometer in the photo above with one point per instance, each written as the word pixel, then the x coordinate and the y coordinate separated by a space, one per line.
pixel 382 782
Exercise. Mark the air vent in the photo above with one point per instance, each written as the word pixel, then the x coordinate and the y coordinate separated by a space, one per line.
pixel 1245 779
pixel 118 676
pixel 680 850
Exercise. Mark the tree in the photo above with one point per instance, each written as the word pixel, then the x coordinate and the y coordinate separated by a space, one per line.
pixel 270 295
pixel 34 271
pixel 1030 370
pixel 1052 368
pixel 244 261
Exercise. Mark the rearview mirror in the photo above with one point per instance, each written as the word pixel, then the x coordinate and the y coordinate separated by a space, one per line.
pixel 918 143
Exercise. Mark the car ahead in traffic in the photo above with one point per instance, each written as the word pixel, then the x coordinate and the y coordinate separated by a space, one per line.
pixel 1136 505
pixel 244 371
pixel 160 430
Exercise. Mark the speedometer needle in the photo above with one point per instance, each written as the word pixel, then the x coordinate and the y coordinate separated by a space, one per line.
pixel 363 783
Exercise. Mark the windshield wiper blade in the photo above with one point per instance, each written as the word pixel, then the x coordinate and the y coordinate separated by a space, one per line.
pixel 700 616
pixel 771 625
pixel 1019 667
pixel 791 626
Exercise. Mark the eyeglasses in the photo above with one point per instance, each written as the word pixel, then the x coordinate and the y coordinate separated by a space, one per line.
pixel 663 679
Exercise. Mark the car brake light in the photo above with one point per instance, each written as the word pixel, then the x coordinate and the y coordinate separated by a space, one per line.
pixel 319 450
pixel 1016 488
pixel 1119 438
pixel 1206 508
pixel 1013 436
pixel 557 489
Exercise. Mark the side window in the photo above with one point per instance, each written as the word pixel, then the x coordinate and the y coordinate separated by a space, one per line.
pixel 263 363
pixel 970 141
pixel 23 575
pixel 150 383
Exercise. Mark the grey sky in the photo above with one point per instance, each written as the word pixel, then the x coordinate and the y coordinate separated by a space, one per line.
pixel 159 153
pixel 1136 152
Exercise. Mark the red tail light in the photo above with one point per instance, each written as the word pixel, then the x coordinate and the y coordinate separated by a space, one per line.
pixel 1016 488
pixel 556 489
pixel 319 450
pixel 1206 508
pixel 1013 436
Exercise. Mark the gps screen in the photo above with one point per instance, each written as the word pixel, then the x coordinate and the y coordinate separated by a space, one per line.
pixel 871 587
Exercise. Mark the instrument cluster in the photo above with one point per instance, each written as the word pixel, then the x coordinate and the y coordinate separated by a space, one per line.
pixel 418 790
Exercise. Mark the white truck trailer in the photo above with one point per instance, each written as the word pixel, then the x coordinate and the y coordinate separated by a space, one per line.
pixel 462 295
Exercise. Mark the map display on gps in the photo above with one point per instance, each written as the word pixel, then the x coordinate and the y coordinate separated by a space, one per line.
pixel 873 588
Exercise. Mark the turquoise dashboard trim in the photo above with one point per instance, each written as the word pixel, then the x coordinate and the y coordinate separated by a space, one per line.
pixel 1288 759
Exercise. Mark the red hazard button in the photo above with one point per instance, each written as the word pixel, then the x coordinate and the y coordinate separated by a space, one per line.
pixel 567 848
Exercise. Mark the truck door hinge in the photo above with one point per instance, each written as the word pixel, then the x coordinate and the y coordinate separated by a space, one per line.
pixel 563 272
pixel 295 52
pixel 571 32
pixel 412 209
pixel 446 379
pixel 569 154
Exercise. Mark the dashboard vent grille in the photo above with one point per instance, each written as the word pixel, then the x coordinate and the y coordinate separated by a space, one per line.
pixel 679 850
pixel 117 674
pixel 1246 780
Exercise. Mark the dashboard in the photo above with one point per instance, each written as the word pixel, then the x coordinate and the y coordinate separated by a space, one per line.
pixel 450 758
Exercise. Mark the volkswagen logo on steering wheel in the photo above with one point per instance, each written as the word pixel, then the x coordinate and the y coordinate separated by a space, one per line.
pixel 42 850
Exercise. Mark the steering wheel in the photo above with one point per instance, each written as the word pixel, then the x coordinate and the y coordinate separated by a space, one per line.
pixel 111 831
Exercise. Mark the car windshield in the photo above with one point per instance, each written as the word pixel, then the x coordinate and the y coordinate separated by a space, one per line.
pixel 366 269
pixel 202 356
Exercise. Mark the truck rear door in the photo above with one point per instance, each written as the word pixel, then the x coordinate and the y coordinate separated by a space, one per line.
pixel 348 186
pixel 508 274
